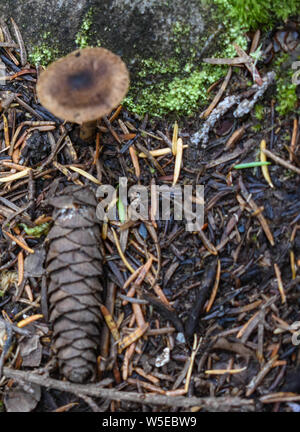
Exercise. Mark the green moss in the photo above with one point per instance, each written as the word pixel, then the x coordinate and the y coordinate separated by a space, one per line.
pixel 180 95
pixel 286 97
pixel 286 94
pixel 151 67
pixel 48 50
pixel 43 54
pixel 178 84
pixel 83 36
pixel 86 35
pixel 256 128
pixel 259 111
pixel 251 14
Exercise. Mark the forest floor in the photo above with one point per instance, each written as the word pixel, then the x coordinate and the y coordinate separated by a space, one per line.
pixel 210 321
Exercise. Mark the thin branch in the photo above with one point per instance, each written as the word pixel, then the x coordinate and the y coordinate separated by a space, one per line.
pixel 94 390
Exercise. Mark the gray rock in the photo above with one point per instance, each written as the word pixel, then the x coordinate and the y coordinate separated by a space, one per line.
pixel 129 27
pixel 58 19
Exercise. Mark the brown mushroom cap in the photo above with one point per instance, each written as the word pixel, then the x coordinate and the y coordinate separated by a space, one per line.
pixel 83 86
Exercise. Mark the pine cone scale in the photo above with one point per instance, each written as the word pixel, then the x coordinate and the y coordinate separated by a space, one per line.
pixel 74 266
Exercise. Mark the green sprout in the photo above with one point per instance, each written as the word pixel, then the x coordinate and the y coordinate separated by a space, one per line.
pixel 256 55
pixel 251 165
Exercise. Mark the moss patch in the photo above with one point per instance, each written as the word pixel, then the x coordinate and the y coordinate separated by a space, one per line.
pixel 84 36
pixel 180 95
pixel 178 85
pixel 286 91
pixel 286 96
pixel 49 50
pixel 46 52
pixel 251 14
pixel 259 112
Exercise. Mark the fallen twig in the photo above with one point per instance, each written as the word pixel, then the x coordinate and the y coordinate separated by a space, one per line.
pixel 95 390
pixel 280 161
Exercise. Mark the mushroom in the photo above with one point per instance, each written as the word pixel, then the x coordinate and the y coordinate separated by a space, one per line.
pixel 84 86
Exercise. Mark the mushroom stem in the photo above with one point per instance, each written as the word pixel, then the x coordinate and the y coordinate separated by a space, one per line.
pixel 88 130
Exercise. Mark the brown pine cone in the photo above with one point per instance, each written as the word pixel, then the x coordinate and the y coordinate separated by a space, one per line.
pixel 74 266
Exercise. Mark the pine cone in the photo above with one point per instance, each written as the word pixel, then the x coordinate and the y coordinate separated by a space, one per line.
pixel 74 266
